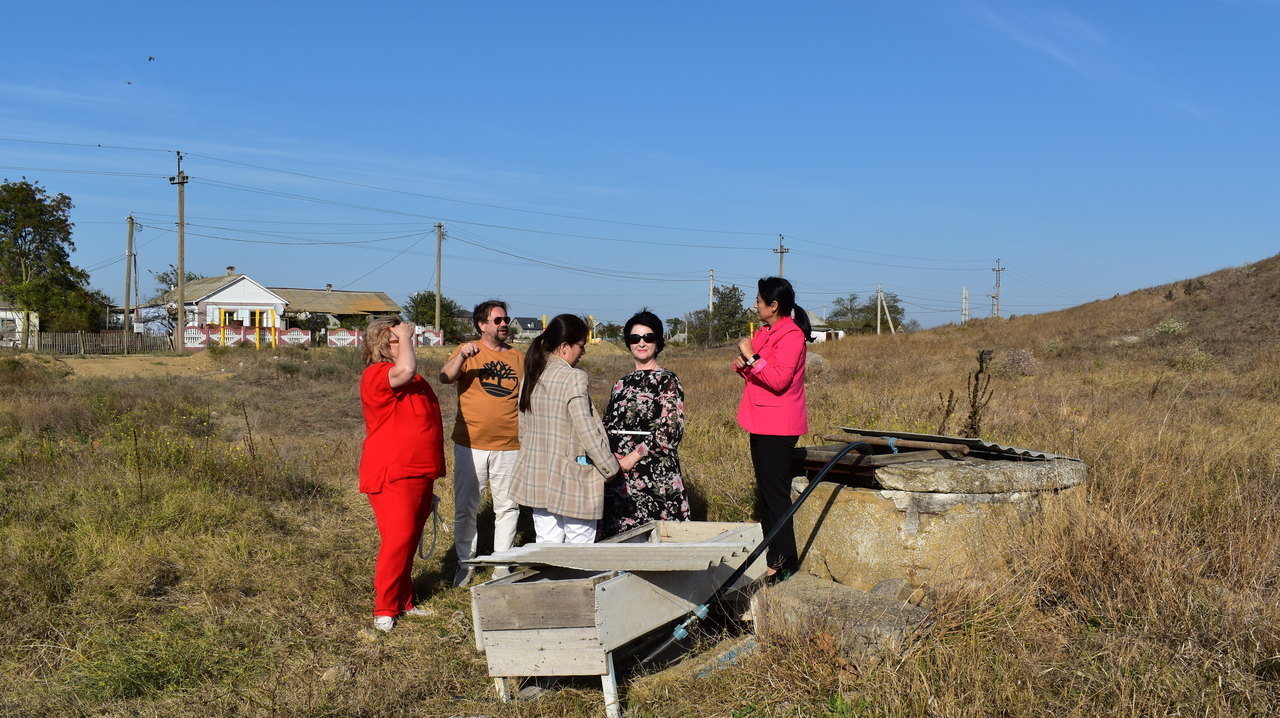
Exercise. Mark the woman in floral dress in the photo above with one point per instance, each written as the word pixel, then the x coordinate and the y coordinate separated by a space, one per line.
pixel 645 422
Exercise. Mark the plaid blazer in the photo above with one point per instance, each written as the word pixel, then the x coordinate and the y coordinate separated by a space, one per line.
pixel 561 425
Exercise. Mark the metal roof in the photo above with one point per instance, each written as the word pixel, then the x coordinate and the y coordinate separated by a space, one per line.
pixel 195 290
pixel 974 444
pixel 315 301
pixel 336 301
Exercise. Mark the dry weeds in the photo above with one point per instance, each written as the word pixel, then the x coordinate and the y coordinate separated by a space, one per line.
pixel 153 564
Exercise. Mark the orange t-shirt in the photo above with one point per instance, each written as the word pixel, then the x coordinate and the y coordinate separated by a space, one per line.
pixel 488 392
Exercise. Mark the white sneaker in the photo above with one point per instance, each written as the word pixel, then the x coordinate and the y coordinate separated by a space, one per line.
pixel 462 577
pixel 419 612
pixel 384 623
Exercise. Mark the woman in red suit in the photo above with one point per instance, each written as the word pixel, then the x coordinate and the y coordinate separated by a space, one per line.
pixel 773 409
pixel 403 455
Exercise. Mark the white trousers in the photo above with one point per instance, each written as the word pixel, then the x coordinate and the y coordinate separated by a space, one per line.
pixel 472 469
pixel 554 528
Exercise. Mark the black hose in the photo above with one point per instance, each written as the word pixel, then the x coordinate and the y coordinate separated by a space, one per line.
pixel 702 609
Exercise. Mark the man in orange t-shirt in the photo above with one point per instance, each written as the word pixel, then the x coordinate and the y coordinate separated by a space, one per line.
pixel 486 437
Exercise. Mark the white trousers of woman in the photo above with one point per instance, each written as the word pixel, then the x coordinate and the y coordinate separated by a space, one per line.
pixel 555 528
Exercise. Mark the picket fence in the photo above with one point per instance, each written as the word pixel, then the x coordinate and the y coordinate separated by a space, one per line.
pixel 99 343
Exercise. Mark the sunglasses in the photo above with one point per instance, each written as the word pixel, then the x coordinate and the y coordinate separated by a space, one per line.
pixel 501 320
pixel 649 338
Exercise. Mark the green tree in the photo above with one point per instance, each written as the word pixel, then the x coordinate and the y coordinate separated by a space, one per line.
pixel 162 313
pixel 74 311
pixel 728 320
pixel 859 317
pixel 611 330
pixel 421 310
pixel 36 274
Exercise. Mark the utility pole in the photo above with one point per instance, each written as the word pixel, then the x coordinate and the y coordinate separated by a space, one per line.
pixel 439 249
pixel 995 297
pixel 879 305
pixel 781 250
pixel 887 316
pixel 711 291
pixel 128 283
pixel 964 305
pixel 180 326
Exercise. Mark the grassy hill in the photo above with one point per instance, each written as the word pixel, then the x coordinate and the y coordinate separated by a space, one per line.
pixel 175 544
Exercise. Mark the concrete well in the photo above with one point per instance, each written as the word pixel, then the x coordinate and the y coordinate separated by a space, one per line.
pixel 940 518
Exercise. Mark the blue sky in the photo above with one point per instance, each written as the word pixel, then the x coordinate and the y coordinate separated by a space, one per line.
pixel 1093 147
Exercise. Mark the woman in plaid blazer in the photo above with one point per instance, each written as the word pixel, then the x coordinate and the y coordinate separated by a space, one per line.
pixel 564 453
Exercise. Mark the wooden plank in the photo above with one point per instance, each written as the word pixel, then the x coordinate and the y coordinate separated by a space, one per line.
pixel 644 533
pixel 545 652
pixel 537 604
pixel 475 622
pixel 693 531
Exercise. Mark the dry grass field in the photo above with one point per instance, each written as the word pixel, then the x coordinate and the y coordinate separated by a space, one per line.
pixel 176 543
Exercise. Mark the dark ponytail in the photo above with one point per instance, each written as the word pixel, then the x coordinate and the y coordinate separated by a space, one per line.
pixel 562 329
pixel 777 289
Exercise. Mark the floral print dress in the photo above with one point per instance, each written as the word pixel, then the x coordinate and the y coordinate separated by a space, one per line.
pixel 649 401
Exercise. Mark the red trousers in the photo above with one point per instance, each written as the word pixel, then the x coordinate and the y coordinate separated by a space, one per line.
pixel 400 510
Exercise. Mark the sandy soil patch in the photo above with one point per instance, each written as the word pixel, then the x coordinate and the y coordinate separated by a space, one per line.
pixel 119 366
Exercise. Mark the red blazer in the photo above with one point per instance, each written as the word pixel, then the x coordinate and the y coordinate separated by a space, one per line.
pixel 773 400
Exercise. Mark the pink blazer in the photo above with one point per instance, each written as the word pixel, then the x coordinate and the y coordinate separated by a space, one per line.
pixel 773 400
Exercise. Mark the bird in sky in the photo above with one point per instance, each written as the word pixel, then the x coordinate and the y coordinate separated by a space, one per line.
pixel 151 58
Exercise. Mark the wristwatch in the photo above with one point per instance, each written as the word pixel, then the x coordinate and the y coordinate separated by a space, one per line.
pixel 754 358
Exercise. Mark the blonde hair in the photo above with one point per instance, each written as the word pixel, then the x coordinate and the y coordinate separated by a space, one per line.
pixel 377 340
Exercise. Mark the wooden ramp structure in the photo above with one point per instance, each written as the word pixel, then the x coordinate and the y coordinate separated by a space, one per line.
pixel 575 605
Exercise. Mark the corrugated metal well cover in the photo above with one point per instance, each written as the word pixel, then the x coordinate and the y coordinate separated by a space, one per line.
pixel 621 556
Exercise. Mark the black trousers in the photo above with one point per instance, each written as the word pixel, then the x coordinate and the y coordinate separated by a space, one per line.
pixel 771 459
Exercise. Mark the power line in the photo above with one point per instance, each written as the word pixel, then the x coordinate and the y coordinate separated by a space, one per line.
pixel 580 270
pixel 886 254
pixel 84 144
pixel 300 243
pixel 58 170
pixel 476 204
pixel 389 261
pixel 828 258
pixel 379 188
pixel 352 205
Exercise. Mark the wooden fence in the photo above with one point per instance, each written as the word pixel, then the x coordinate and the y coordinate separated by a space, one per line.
pixel 99 343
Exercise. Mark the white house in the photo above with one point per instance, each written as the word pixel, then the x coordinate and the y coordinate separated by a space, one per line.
pixel 13 322
pixel 233 309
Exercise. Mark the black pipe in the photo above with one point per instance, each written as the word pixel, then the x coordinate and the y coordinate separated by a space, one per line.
pixel 702 609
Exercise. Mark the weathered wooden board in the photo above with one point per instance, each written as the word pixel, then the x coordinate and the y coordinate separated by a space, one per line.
pixel 693 531
pixel 584 601
pixel 537 604
pixel 546 652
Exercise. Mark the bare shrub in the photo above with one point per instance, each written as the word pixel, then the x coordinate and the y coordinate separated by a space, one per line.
pixel 1015 362
pixel 1170 327
pixel 1189 357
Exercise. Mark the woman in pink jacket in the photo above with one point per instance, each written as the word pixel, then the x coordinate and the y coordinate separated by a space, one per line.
pixel 773 409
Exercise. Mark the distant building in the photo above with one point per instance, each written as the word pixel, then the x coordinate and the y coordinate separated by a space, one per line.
pixel 527 327
pixel 12 322
pixel 822 333
pixel 248 311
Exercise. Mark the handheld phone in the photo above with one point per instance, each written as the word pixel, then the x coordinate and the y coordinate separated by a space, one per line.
pixel 584 460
